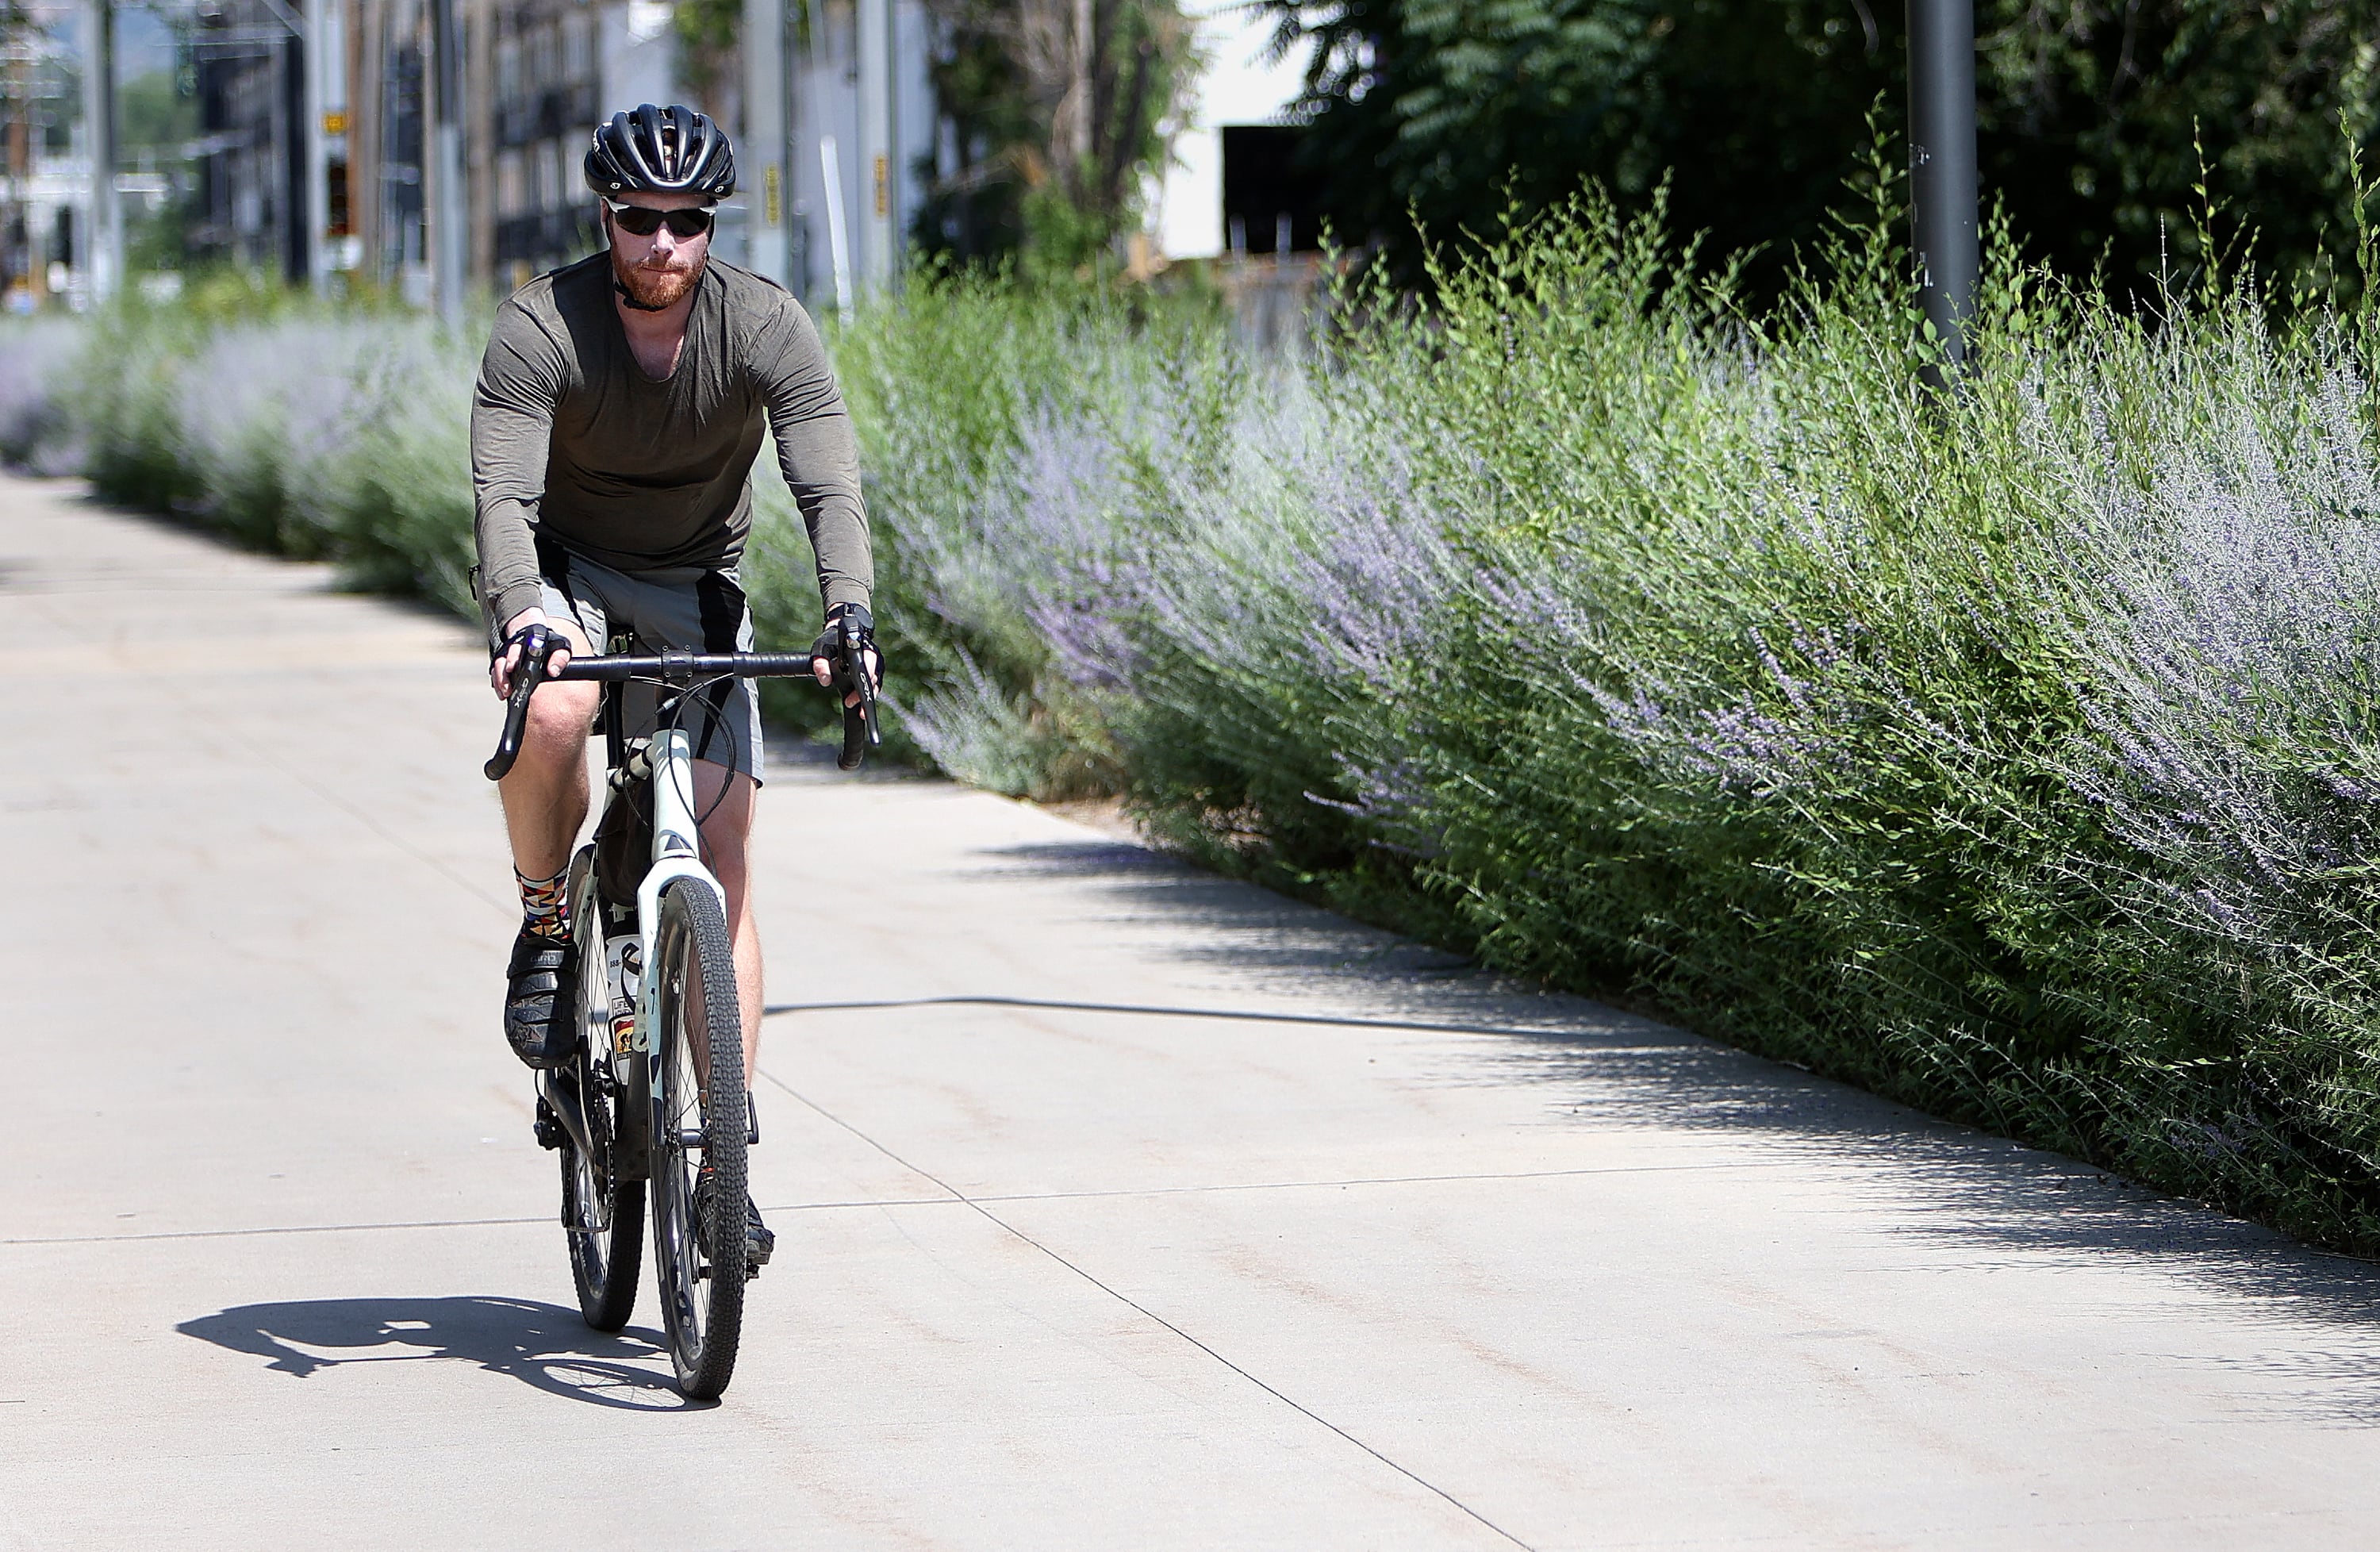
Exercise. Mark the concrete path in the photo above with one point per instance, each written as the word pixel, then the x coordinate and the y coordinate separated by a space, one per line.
pixel 1118 1206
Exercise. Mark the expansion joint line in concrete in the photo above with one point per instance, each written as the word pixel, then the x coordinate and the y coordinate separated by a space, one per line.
pixel 1142 1310
pixel 1238 1016
pixel 371 822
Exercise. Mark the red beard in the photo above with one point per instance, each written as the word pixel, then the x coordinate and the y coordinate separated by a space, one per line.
pixel 658 289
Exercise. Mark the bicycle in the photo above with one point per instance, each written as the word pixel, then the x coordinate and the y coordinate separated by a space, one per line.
pixel 656 1093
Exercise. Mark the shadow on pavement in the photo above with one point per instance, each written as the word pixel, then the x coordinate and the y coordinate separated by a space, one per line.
pixel 1968 1198
pixel 540 1345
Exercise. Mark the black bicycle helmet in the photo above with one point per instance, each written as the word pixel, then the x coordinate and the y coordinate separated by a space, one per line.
pixel 661 151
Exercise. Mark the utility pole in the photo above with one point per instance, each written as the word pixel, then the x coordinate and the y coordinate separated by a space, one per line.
pixel 764 173
pixel 20 152
pixel 299 207
pixel 877 172
pixel 320 62
pixel 447 236
pixel 795 104
pixel 1942 186
pixel 1078 136
pixel 102 238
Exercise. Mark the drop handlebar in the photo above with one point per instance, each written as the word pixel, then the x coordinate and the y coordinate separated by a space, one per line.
pixel 684 670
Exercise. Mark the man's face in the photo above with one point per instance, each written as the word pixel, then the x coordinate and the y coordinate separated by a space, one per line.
pixel 663 268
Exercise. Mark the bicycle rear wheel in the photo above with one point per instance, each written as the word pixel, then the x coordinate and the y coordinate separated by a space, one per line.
pixel 602 1210
pixel 698 1140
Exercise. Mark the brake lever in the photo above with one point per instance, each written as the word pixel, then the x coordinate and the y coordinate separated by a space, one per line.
pixel 537 645
pixel 861 732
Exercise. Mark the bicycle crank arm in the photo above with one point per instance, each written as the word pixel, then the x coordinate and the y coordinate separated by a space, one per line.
pixel 563 1099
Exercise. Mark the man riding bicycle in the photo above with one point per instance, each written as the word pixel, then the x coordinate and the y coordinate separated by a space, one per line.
pixel 618 412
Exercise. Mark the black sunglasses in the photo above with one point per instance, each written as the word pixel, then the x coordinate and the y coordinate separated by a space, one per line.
pixel 643 221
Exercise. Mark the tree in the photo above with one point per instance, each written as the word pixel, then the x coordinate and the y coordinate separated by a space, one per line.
pixel 710 55
pixel 1451 111
pixel 1060 108
pixel 2093 116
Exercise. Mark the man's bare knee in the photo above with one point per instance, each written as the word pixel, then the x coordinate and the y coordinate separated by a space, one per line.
pixel 560 716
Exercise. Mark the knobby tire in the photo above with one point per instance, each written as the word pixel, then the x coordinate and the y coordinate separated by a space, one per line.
pixel 698 1186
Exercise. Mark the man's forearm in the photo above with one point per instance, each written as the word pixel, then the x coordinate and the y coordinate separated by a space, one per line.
pixel 509 581
pixel 818 455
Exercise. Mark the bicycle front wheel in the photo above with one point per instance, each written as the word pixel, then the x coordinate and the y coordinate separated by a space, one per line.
pixel 699 1139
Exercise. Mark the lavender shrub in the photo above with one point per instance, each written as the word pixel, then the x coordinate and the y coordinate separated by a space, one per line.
pixel 37 358
pixel 2008 752
pixel 2011 750
pixel 961 390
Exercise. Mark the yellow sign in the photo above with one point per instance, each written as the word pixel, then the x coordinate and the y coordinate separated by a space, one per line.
pixel 883 188
pixel 768 208
pixel 335 124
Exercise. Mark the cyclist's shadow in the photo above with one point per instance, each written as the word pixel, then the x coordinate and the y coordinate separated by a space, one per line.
pixel 538 1344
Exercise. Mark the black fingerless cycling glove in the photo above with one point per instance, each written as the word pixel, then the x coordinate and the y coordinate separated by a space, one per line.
pixel 830 644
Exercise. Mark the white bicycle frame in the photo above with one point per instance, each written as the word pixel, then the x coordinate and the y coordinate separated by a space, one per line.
pixel 678 853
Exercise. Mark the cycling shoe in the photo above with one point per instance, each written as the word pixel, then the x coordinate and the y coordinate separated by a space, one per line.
pixel 758 1242
pixel 538 1001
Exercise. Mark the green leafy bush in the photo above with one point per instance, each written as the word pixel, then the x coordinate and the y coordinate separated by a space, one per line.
pixel 2013 750
pixel 2008 750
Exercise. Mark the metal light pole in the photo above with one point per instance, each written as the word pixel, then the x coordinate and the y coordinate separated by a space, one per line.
pixel 103 237
pixel 877 172
pixel 766 166
pixel 320 64
pixel 1942 165
pixel 447 235
pixel 300 208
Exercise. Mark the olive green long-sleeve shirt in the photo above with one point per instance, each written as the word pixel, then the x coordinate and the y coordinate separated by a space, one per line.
pixel 573 444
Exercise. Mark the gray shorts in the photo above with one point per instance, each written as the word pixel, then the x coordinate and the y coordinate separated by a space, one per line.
pixel 688 608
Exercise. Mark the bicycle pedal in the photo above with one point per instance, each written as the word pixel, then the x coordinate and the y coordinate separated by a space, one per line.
pixel 549 1128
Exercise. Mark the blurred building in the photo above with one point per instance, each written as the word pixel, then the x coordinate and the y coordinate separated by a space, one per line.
pixel 536 75
pixel 43 174
pixel 846 214
pixel 249 66
pixel 384 124
pixel 529 210
pixel 827 207
pixel 831 190
pixel 1235 190
pixel 1232 176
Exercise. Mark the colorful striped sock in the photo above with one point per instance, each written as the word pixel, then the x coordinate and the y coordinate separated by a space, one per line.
pixel 541 902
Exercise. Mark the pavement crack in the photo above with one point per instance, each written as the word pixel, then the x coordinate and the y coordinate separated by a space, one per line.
pixel 1146 1312
pixel 1483 1176
pixel 279 1229
pixel 1241 1015
pixel 371 822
